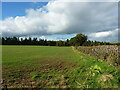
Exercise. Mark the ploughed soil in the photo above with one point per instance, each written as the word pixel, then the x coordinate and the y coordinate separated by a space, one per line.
pixel 46 73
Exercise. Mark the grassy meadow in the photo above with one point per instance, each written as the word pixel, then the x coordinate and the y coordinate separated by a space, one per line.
pixel 55 67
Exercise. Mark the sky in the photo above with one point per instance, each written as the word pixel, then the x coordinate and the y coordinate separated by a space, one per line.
pixel 56 20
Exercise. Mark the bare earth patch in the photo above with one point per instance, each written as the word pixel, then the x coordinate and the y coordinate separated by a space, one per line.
pixel 21 78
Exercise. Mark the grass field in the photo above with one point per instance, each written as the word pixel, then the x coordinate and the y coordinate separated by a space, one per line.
pixel 55 67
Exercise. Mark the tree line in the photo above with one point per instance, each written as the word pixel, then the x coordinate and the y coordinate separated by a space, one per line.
pixel 78 40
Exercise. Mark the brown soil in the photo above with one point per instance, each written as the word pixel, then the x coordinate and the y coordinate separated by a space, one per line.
pixel 57 65
pixel 24 81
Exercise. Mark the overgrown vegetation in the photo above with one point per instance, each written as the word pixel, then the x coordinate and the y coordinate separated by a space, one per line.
pixel 108 53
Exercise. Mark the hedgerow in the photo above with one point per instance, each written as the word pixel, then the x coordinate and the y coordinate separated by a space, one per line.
pixel 108 53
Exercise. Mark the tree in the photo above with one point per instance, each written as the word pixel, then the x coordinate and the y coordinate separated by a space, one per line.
pixel 60 43
pixel 3 41
pixel 78 40
pixel 67 42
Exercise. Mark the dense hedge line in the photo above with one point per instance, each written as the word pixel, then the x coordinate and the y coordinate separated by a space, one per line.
pixel 109 53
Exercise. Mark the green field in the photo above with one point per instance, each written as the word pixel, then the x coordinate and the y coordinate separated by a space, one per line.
pixel 55 67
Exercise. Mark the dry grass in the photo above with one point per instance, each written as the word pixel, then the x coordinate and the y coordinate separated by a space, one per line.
pixel 109 53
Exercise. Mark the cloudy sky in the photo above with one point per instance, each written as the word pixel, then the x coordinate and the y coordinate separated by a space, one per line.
pixel 56 20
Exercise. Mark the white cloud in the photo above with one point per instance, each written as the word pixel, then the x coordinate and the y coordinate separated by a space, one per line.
pixel 111 35
pixel 102 34
pixel 43 37
pixel 64 18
